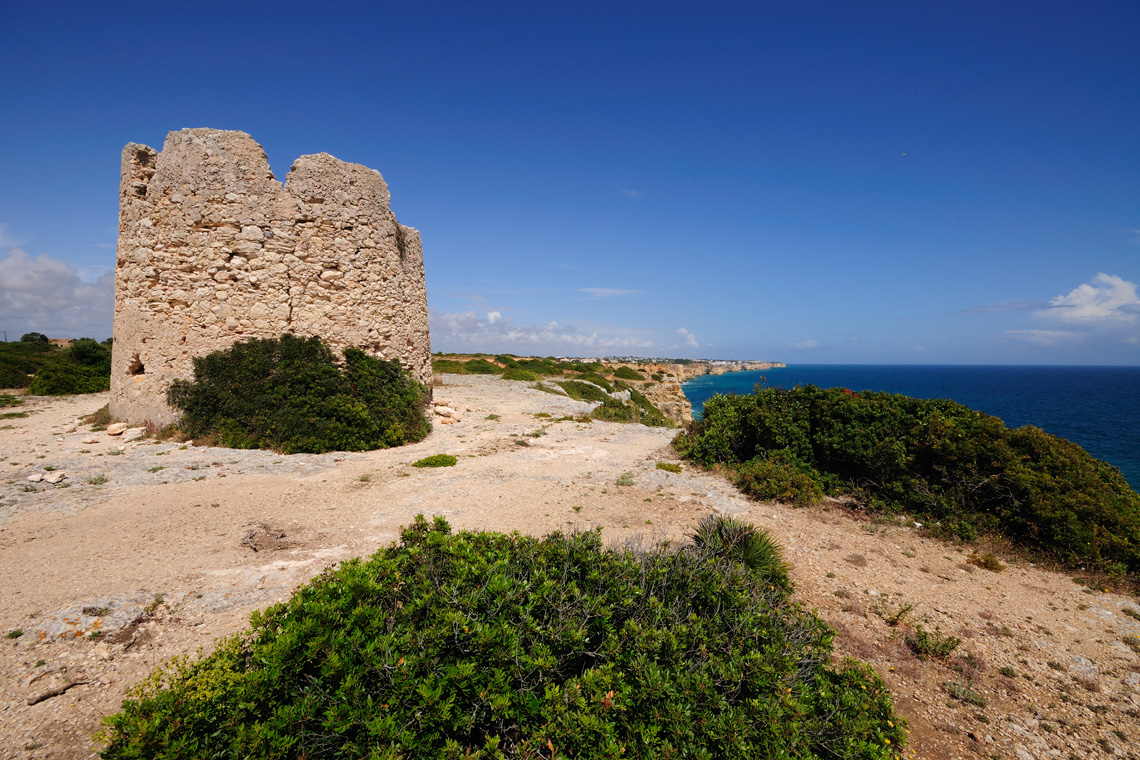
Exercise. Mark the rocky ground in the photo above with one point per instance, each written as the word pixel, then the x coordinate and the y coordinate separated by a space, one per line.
pixel 145 550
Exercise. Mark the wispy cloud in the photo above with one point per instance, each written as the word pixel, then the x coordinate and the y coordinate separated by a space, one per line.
pixel 609 292
pixel 1108 299
pixel 806 345
pixel 45 294
pixel 1007 306
pixel 472 331
pixel 628 193
pixel 690 339
pixel 1043 337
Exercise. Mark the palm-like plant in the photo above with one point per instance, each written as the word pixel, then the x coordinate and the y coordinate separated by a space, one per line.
pixel 726 537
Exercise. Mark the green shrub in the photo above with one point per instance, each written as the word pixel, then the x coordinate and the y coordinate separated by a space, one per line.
pixel 506 360
pixel 88 352
pixel 436 460
pixel 538 367
pixel 449 366
pixel 934 643
pixel 289 395
pixel 34 337
pixel 64 376
pixel 613 410
pixel 484 645
pixel 581 391
pixel 777 478
pixel 672 467
pixel 650 414
pixel 481 367
pixel 596 379
pixel 515 373
pixel 628 373
pixel 12 374
pixel 963 471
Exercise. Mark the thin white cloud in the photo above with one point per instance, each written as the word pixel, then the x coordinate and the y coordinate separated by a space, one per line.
pixel 44 294
pixel 1007 306
pixel 609 292
pixel 806 345
pixel 1108 299
pixel 1043 337
pixel 471 331
pixel 629 193
pixel 690 339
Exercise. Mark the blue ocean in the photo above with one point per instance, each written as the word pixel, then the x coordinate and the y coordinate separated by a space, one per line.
pixel 1096 407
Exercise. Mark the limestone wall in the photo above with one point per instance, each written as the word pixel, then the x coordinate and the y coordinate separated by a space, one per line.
pixel 213 249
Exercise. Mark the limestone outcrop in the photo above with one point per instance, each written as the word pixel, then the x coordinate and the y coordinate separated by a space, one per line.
pixel 213 249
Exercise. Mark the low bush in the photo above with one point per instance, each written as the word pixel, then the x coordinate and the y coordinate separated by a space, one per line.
pixel 515 373
pixel 64 376
pixel 448 366
pixel 672 467
pixel 777 478
pixel 613 410
pixel 436 460
pixel 13 374
pixel 986 561
pixel 596 379
pixel 964 472
pixel 539 367
pixel 506 360
pixel 289 395
pixel 582 391
pixel 484 645
pixel 481 367
pixel 628 373
pixel 934 643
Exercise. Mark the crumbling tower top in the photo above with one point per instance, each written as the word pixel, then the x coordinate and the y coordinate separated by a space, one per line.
pixel 213 249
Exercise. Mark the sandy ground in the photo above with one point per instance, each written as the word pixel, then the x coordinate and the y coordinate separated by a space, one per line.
pixel 159 548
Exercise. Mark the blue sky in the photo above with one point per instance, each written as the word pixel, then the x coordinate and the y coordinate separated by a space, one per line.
pixel 807 182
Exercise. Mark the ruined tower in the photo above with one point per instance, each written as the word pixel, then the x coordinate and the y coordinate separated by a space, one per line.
pixel 213 249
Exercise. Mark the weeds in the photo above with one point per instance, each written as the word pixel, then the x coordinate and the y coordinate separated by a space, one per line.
pixel 933 644
pixel 964 693
pixel 986 561
pixel 669 467
pixel 436 460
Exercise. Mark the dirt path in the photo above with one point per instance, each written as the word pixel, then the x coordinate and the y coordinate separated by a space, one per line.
pixel 160 549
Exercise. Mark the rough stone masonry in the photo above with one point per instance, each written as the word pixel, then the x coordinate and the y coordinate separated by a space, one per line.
pixel 213 249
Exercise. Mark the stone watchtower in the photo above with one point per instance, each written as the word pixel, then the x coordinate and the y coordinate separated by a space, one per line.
pixel 212 249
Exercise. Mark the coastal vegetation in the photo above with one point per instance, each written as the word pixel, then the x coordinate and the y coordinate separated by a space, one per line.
pixel 580 380
pixel 486 645
pixel 49 370
pixel 289 394
pixel 963 472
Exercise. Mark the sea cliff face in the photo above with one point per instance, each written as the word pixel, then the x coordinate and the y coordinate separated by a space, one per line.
pixel 667 394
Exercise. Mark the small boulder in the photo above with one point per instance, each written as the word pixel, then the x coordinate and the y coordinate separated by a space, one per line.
pixel 35 477
pixel 54 477
pixel 117 428
pixel 445 411
pixel 90 439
